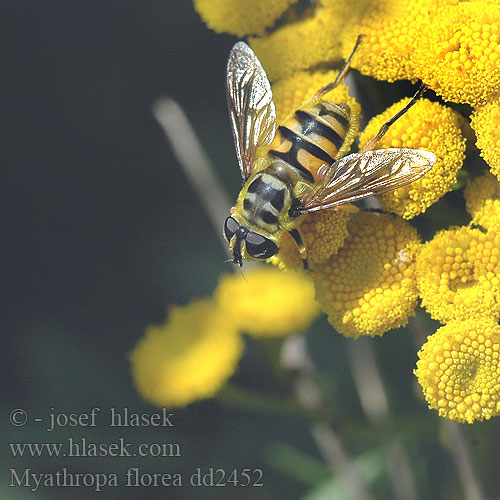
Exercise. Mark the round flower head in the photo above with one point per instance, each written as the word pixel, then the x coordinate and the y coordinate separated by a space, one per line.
pixel 267 301
pixel 482 197
pixel 241 17
pixel 187 358
pixel 302 45
pixel 430 126
pixel 485 120
pixel 323 233
pixel 458 54
pixel 458 274
pixel 391 29
pixel 459 370
pixel 369 286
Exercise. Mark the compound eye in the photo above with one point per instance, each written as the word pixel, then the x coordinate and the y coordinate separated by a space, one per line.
pixel 259 247
pixel 230 227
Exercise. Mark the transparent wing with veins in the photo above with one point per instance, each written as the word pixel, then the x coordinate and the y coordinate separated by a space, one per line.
pixel 370 173
pixel 251 106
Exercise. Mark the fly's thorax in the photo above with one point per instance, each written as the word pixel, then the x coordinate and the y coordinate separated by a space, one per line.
pixel 312 137
pixel 266 198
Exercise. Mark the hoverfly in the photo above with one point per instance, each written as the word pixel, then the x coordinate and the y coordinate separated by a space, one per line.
pixel 300 174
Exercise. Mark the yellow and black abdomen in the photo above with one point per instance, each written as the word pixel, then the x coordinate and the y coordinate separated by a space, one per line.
pixel 311 137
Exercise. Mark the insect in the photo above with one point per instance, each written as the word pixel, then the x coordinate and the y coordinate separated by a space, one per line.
pixel 300 174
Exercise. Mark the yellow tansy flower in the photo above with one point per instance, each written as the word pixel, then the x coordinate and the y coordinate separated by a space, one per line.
pixel 391 30
pixel 430 126
pixel 485 121
pixel 267 301
pixel 241 17
pixel 459 370
pixel 369 286
pixel 458 274
pixel 304 44
pixel 323 233
pixel 187 358
pixel 458 54
pixel 482 197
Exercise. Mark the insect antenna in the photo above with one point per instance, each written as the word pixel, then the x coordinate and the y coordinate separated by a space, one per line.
pixel 240 269
pixel 385 127
pixel 327 88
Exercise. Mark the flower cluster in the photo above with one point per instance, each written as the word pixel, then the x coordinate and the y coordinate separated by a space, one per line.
pixel 458 276
pixel 197 349
pixel 369 270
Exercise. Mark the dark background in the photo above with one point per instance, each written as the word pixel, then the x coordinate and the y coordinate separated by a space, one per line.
pixel 101 231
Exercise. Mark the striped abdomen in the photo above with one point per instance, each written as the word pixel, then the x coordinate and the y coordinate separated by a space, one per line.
pixel 311 137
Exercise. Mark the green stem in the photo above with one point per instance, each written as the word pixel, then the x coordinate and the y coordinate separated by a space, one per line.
pixel 235 396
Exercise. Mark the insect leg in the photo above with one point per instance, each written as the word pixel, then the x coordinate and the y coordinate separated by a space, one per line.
pixel 294 233
pixel 327 88
pixel 385 127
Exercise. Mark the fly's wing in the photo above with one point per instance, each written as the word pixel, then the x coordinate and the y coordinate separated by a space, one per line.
pixel 360 175
pixel 251 106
